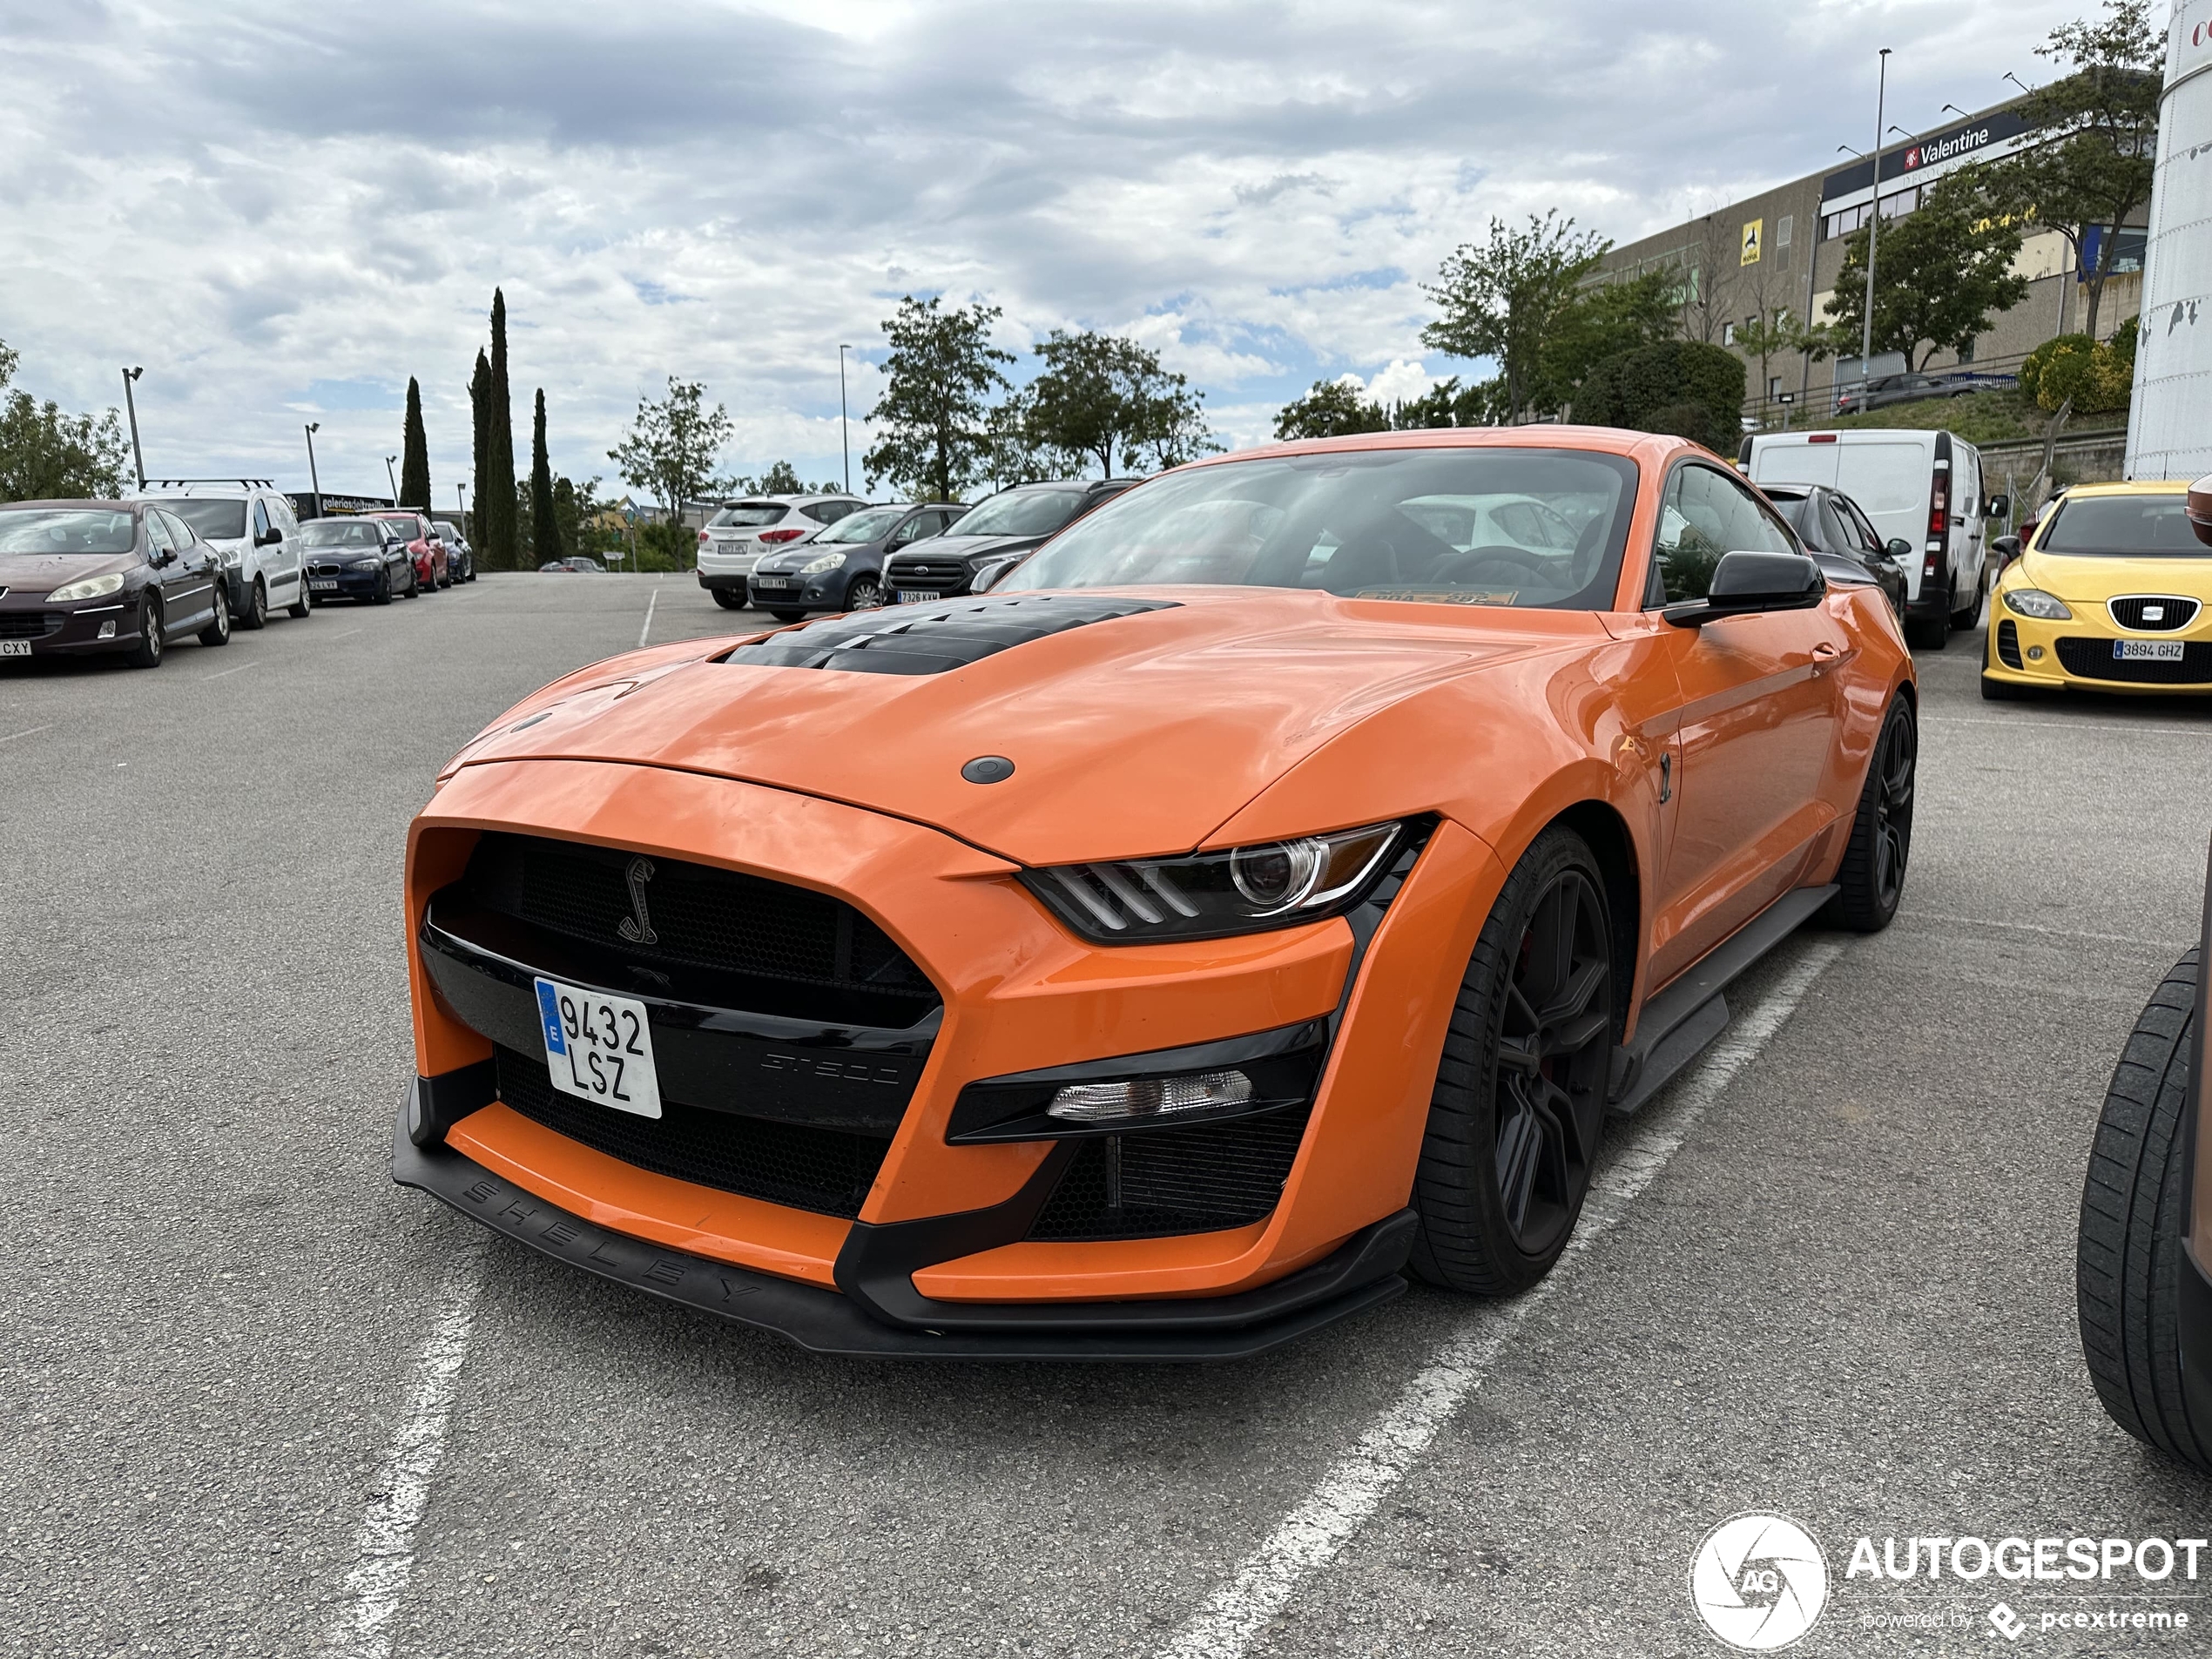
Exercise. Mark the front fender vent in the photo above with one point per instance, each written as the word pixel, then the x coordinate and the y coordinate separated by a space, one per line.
pixel 931 639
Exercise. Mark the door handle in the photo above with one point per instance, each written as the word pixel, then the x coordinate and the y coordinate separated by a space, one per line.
pixel 1826 657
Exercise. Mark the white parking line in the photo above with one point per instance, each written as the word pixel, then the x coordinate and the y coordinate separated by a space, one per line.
pixel 648 628
pixel 2032 928
pixel 348 634
pixel 28 731
pixel 2075 726
pixel 384 1547
pixel 1310 1536
pixel 226 673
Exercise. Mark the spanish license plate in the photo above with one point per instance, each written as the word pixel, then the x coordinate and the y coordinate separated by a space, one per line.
pixel 2147 650
pixel 779 583
pixel 916 596
pixel 324 584
pixel 598 1048
pixel 15 648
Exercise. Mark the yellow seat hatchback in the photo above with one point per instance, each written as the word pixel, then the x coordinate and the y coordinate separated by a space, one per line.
pixel 2112 592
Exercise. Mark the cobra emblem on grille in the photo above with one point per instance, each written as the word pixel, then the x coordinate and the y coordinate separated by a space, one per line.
pixel 637 928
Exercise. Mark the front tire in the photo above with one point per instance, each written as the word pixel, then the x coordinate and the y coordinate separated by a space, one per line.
pixel 1963 620
pixel 865 592
pixel 302 603
pixel 1872 881
pixel 147 652
pixel 218 632
pixel 1520 1098
pixel 383 594
pixel 255 617
pixel 787 615
pixel 2128 1256
pixel 728 598
pixel 1927 633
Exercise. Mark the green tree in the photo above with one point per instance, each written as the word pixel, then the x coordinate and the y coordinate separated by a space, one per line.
pixel 934 417
pixel 2094 170
pixel 1684 386
pixel 480 411
pixel 545 529
pixel 670 449
pixel 1331 409
pixel 1942 275
pixel 1505 299
pixel 46 453
pixel 1012 454
pixel 502 528
pixel 1600 320
pixel 781 479
pixel 1171 429
pixel 1102 396
pixel 415 452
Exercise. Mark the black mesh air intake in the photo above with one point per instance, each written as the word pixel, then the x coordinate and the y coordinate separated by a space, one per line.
pixel 1163 1181
pixel 2093 659
pixel 2009 644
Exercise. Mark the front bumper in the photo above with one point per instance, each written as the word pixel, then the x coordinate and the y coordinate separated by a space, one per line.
pixel 2025 650
pixel 352 585
pixel 804 592
pixel 72 630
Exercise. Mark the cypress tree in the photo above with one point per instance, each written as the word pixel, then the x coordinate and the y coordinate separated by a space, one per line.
pixel 545 533
pixel 414 463
pixel 506 550
pixel 479 405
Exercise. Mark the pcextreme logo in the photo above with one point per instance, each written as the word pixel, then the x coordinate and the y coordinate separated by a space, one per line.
pixel 1759 1582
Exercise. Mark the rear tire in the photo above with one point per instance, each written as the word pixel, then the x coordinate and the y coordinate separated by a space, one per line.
pixel 727 599
pixel 2128 1256
pixel 1873 876
pixel 255 617
pixel 1518 1104
pixel 787 615
pixel 1964 620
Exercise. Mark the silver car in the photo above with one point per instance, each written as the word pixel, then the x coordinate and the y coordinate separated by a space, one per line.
pixel 736 535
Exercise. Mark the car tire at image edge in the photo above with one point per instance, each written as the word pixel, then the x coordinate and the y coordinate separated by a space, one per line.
pixel 1870 880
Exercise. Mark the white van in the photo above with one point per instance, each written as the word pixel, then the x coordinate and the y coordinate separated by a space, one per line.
pixel 1922 488
pixel 249 521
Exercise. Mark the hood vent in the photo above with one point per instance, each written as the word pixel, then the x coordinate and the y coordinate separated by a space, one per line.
pixel 931 639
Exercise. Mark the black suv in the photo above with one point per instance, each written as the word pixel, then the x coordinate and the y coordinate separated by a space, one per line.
pixel 994 534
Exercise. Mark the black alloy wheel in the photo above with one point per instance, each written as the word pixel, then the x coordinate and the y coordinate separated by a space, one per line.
pixel 1520 1100
pixel 218 632
pixel 865 592
pixel 1871 881
pixel 256 614
pixel 147 652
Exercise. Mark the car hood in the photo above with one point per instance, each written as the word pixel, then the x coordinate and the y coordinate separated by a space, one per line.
pixel 2094 579
pixel 40 573
pixel 1141 734
pixel 971 548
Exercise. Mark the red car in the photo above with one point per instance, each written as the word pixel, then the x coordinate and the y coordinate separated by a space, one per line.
pixel 424 545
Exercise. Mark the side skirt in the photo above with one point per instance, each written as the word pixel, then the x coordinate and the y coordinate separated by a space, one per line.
pixel 1679 1021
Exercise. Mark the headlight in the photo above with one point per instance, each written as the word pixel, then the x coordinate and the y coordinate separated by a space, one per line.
pixel 366 564
pixel 2034 601
pixel 235 557
pixel 92 587
pixel 826 562
pixel 1206 895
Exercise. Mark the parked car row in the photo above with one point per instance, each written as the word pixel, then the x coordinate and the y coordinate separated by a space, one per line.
pixel 192 558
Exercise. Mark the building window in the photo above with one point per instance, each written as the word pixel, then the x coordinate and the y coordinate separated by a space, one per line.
pixel 1783 227
pixel 1774 386
pixel 1728 334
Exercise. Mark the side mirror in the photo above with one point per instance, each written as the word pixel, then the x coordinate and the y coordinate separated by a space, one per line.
pixel 2199 509
pixel 2000 506
pixel 269 537
pixel 2007 548
pixel 1745 583
pixel 1898 549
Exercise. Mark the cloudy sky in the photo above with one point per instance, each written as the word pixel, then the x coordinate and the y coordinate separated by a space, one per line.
pixel 284 211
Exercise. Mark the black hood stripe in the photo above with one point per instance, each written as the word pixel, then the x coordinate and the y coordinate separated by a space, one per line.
pixel 931 639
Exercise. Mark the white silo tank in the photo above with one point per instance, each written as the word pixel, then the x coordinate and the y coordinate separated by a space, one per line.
pixel 2169 427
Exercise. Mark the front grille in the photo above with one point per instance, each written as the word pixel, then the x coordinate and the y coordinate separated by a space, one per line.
pixel 805 952
pixel 2092 659
pixel 828 1171
pixel 1195 1180
pixel 2008 644
pixel 2173 612
pixel 29 624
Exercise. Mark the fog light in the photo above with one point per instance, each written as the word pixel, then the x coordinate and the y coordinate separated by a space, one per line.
pixel 1150 1098
pixel 107 629
pixel 2035 653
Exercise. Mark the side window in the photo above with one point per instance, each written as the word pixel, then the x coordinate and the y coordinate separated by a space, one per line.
pixel 1702 515
pixel 158 535
pixel 1865 532
pixel 179 532
pixel 1835 535
pixel 261 518
pixel 914 528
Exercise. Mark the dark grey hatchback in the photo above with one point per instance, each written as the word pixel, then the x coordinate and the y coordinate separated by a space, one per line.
pixel 841 567
pixel 78 577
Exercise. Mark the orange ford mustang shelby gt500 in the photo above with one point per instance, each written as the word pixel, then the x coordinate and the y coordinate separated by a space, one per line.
pixel 1267 890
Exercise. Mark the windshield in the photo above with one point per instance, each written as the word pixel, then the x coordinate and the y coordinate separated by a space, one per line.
pixel 350 532
pixel 2121 525
pixel 50 530
pixel 864 526
pixel 746 513
pixel 1537 528
pixel 1022 512
pixel 216 521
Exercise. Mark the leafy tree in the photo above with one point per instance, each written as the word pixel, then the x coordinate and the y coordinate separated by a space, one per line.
pixel 1448 403
pixel 1602 321
pixel 1505 299
pixel 932 416
pixel 1942 275
pixel 45 452
pixel 1012 452
pixel 781 479
pixel 1704 283
pixel 545 529
pixel 670 448
pixel 2094 169
pixel 503 527
pixel 480 409
pixel 1172 429
pixel 414 451
pixel 1331 409
pixel 1100 395
pixel 1684 386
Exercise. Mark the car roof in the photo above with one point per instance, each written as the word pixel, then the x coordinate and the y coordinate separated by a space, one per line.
pixel 1602 439
pixel 95 504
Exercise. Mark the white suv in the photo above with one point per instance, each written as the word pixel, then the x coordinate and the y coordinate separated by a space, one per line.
pixel 736 537
pixel 250 523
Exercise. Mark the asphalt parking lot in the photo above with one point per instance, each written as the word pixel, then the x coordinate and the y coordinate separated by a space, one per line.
pixel 1829 1274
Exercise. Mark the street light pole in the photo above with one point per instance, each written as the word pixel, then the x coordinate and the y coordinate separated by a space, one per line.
pixel 137 455
pixel 314 427
pixel 844 434
pixel 1873 219
pixel 390 480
